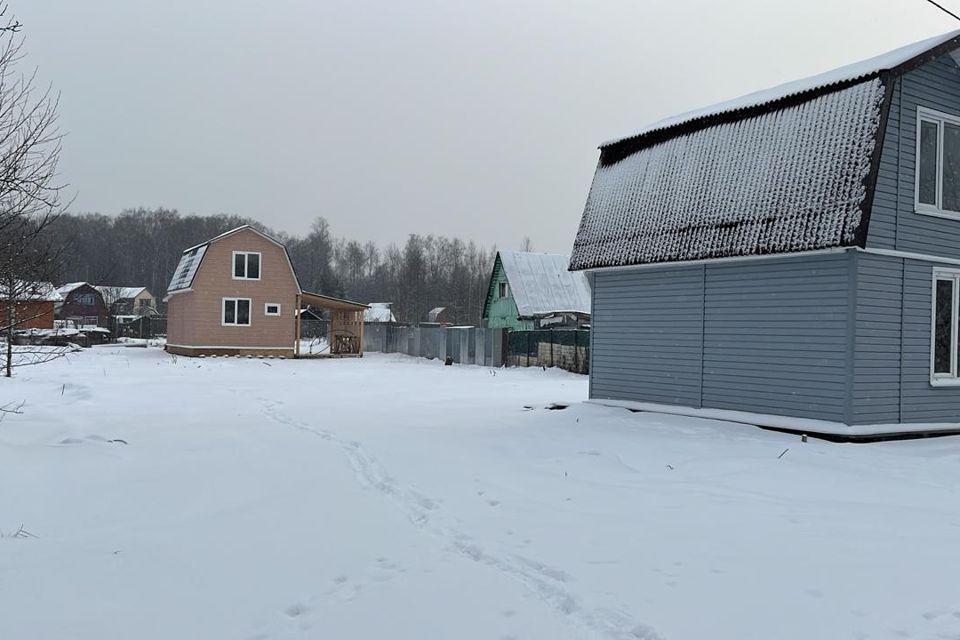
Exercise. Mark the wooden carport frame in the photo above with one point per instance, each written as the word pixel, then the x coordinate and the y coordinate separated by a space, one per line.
pixel 345 336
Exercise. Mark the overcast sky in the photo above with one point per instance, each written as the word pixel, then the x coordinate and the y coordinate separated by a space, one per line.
pixel 471 119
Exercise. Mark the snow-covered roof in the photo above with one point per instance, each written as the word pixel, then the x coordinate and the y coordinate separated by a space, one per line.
pixel 65 289
pixel 847 74
pixel 379 312
pixel 790 180
pixel 31 291
pixel 540 283
pixel 776 171
pixel 434 313
pixel 112 294
pixel 187 268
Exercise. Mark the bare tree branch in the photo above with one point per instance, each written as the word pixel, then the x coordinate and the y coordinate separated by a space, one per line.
pixel 31 198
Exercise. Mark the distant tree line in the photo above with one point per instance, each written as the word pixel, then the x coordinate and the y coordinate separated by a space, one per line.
pixel 141 247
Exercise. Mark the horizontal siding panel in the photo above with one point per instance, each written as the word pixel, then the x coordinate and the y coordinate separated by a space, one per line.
pixel 766 336
pixel 775 337
pixel 794 386
pixel 877 336
pixel 647 327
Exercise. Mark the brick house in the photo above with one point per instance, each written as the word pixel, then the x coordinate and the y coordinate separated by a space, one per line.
pixel 32 304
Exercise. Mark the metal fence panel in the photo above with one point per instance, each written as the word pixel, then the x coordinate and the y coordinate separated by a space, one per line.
pixel 565 348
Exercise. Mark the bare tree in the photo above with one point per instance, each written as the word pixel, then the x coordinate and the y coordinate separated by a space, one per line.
pixel 526 246
pixel 112 297
pixel 30 196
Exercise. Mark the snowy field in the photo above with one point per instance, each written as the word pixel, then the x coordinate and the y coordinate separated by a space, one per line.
pixel 393 498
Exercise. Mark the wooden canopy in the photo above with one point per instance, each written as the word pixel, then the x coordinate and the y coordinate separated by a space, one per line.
pixel 346 323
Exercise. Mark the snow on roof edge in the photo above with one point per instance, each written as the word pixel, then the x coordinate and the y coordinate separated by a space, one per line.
pixel 848 73
pixel 543 283
pixel 36 291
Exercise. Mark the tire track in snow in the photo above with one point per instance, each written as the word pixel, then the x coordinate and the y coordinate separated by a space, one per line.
pixel 546 582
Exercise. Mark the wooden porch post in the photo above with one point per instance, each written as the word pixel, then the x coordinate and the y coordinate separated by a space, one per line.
pixel 332 330
pixel 296 338
pixel 358 315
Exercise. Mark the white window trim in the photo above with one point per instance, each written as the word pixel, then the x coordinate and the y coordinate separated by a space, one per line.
pixel 233 264
pixel 505 287
pixel 223 313
pixel 939 117
pixel 945 379
pixel 267 305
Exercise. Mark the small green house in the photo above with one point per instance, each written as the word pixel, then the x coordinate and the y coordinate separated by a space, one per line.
pixel 528 287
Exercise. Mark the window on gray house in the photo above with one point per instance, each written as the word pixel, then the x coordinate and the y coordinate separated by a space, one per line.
pixel 927 180
pixel 938 163
pixel 943 328
pixel 951 164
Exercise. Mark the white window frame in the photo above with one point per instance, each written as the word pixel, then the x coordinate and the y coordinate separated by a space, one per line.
pixel 266 308
pixel 246 264
pixel 938 118
pixel 503 289
pixel 223 313
pixel 951 379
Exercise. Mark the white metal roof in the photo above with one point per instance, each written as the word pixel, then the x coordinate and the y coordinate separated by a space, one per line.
pixel 119 293
pixel 379 312
pixel 540 283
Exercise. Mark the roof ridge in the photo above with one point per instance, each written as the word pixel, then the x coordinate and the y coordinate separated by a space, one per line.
pixel 799 90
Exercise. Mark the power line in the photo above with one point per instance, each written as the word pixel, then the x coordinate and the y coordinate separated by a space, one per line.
pixel 944 9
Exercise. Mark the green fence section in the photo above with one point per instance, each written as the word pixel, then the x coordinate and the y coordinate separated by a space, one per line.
pixel 565 348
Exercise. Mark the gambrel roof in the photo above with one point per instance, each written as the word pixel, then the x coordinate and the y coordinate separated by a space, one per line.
pixel 66 289
pixel 787 169
pixel 541 283
pixel 192 257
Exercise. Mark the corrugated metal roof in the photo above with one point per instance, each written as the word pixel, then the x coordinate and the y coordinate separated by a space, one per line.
pixel 540 283
pixel 787 180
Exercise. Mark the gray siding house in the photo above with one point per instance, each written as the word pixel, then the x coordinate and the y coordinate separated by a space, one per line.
pixel 790 258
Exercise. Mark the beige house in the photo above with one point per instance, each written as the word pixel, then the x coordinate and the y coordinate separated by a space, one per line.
pixel 128 301
pixel 237 293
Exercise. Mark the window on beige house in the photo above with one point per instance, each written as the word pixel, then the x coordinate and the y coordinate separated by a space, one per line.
pixel 236 312
pixel 246 265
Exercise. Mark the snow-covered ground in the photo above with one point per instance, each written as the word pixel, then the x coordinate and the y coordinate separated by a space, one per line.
pixel 397 498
